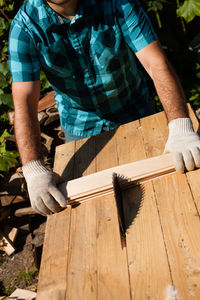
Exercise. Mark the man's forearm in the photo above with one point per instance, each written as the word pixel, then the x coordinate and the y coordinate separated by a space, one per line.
pixel 166 81
pixel 170 91
pixel 27 130
pixel 27 133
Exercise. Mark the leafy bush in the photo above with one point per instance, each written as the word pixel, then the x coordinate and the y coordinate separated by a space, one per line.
pixel 7 158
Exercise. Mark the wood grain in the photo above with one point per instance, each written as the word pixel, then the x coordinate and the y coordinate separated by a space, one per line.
pixel 112 269
pixel 177 212
pixel 181 227
pixel 194 182
pixel 112 274
pixel 64 160
pixel 147 258
pixel 53 272
pixel 82 264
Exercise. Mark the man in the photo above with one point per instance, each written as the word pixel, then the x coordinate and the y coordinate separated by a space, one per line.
pixel 90 51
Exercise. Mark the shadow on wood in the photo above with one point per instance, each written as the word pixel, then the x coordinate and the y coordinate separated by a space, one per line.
pixel 99 144
pixel 132 205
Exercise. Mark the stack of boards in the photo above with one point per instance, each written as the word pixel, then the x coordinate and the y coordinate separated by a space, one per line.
pixel 83 257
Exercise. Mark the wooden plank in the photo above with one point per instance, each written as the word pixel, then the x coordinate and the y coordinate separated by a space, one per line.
pixel 21 294
pixel 84 160
pixel 155 132
pixel 82 265
pixel 147 257
pixel 53 272
pixel 100 183
pixel 112 270
pixel 194 180
pixel 6 244
pixel 181 227
pixel 64 160
pixel 128 141
pixel 146 253
pixel 112 276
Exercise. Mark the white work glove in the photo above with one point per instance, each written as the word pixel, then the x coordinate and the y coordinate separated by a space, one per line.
pixel 44 195
pixel 184 143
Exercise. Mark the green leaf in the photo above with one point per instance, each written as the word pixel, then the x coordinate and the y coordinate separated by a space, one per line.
pixel 4 117
pixel 4 135
pixel 4 69
pixel 2 2
pixel 7 99
pixel 4 24
pixel 189 10
pixel 44 82
pixel 3 81
pixel 8 160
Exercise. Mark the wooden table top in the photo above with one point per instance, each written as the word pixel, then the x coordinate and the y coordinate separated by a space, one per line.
pixel 83 258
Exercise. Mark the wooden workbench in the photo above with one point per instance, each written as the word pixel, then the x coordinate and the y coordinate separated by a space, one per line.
pixel 83 258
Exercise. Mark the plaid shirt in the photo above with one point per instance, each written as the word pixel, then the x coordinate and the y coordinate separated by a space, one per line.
pixel 90 61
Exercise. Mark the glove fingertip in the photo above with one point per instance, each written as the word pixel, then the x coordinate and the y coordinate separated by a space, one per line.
pixel 179 162
pixel 58 196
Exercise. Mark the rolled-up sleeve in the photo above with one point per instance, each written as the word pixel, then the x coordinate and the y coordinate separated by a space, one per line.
pixel 23 60
pixel 135 25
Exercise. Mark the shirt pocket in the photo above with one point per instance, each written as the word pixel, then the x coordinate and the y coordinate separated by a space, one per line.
pixel 55 60
pixel 108 46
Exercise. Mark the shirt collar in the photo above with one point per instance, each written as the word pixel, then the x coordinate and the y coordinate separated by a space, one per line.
pixel 53 19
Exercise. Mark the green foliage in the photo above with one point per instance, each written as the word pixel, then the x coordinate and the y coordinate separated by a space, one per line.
pixel 7 158
pixel 194 96
pixel 156 6
pixel 23 280
pixel 26 278
pixel 5 83
pixel 45 85
pixel 189 10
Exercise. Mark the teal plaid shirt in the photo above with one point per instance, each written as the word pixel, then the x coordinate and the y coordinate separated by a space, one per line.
pixel 90 61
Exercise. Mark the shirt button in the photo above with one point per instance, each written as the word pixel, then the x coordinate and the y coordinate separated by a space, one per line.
pixel 86 70
pixel 78 48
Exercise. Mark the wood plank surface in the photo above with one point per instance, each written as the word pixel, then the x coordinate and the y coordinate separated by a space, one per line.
pixel 112 268
pixel 147 258
pixel 194 182
pixel 161 260
pixel 82 264
pixel 181 227
pixel 64 160
pixel 148 264
pixel 155 134
pixel 82 261
pixel 178 216
pixel 53 272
